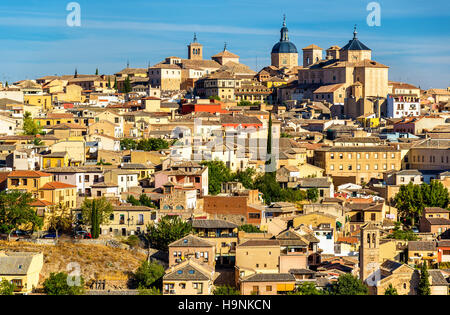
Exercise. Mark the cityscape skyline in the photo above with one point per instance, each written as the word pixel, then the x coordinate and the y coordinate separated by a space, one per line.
pixel 40 43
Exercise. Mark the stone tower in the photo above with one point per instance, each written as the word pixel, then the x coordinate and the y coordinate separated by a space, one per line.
pixel 369 253
pixel 195 50
pixel 311 55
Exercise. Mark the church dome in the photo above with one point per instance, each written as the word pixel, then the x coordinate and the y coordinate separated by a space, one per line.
pixel 355 44
pixel 284 46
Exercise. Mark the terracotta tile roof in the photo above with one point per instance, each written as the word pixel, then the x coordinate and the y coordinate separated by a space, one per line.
pixel 41 203
pixel 57 185
pixel 225 54
pixel 34 174
pixel 59 115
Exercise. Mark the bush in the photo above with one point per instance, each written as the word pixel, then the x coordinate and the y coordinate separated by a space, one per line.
pixel 7 288
pixel 226 290
pixel 148 275
pixel 132 241
pixel 57 284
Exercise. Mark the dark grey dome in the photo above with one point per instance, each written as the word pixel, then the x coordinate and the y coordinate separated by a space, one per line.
pixel 284 48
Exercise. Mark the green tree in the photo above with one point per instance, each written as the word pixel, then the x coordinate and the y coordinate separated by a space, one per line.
pixel 30 127
pixel 133 241
pixel 218 173
pixel 245 103
pixel 226 290
pixel 153 144
pixel 245 177
pixel 37 141
pixel 96 212
pixel 435 194
pixel 269 146
pixel 215 97
pixel 166 231
pixel 313 194
pixel 146 201
pixel 57 284
pixel 307 288
pixel 126 86
pixel 424 282
pixel 15 211
pixel 349 285
pixel 390 290
pixel 148 275
pixel 7 288
pixel 248 228
pixel 59 218
pixel 115 83
pixel 109 82
pixel 133 201
pixel 409 202
pixel 411 199
pixel 128 144
pixel 151 291
pixel 96 71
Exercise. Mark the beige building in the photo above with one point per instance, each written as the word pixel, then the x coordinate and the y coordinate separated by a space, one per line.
pixel 166 76
pixel 21 269
pixel 192 247
pixel 363 79
pixel 362 163
pixel 189 278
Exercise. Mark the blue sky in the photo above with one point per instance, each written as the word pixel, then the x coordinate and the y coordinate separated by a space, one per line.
pixel 413 39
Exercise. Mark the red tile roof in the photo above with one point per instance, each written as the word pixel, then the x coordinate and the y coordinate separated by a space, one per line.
pixel 41 203
pixel 34 174
pixel 57 185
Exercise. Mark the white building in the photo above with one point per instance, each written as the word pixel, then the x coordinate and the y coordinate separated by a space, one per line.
pixel 399 106
pixel 325 234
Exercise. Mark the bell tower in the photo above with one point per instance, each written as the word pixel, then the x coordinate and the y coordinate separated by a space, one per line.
pixel 369 253
pixel 195 50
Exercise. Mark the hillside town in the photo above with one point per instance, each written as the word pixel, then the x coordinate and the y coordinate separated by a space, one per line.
pixel 313 175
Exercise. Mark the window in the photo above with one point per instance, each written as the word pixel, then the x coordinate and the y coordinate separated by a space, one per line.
pixel 269 288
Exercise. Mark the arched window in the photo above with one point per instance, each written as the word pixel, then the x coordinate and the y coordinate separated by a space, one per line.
pixel 368 239
pixel 373 238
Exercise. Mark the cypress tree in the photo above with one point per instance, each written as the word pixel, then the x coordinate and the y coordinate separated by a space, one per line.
pixel 96 71
pixel 424 283
pixel 269 146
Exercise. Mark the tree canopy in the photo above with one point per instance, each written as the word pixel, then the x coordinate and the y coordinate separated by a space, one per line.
pixel 424 282
pixel 152 144
pixel 349 285
pixel 226 290
pixel 411 200
pixel 15 211
pixel 57 284
pixel 390 290
pixel 166 231
pixel 6 287
pixel 149 275
pixel 30 127
pixel 307 288
pixel 96 212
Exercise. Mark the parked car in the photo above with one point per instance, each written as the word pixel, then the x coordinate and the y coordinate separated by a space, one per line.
pixel 83 235
pixel 22 234
pixel 50 236
pixel 415 230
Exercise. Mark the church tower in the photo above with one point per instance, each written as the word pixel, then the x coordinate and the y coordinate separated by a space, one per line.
pixel 369 253
pixel 284 53
pixel 195 50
